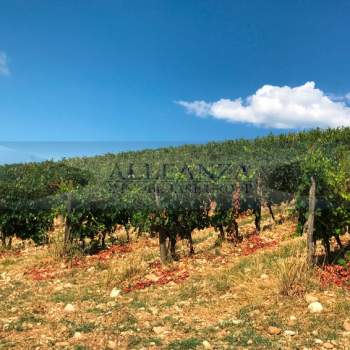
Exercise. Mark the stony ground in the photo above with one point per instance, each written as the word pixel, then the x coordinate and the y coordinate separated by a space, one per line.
pixel 256 295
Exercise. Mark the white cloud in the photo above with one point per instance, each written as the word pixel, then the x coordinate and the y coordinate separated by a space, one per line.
pixel 347 96
pixel 199 108
pixel 4 69
pixel 277 107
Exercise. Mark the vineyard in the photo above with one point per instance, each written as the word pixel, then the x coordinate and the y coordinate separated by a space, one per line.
pixel 170 192
pixel 180 248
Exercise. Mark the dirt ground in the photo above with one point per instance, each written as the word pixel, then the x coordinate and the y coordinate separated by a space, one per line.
pixel 254 295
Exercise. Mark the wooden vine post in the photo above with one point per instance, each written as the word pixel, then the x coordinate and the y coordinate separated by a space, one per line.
pixel 311 224
pixel 67 229
pixel 162 236
pixel 236 206
pixel 257 210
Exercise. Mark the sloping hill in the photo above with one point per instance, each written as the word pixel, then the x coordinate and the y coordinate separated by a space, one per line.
pixel 251 296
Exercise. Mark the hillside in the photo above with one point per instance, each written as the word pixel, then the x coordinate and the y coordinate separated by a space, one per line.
pixel 119 252
pixel 251 296
pixel 273 149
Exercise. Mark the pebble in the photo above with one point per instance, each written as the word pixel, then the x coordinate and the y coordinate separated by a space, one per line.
pixel 346 325
pixel 237 322
pixel 292 321
pixel 328 345
pixel 289 333
pixel 58 288
pixel 315 307
pixel 77 335
pixel 264 276
pixel 206 345
pixel 274 330
pixel 158 330
pixel 254 313
pixel 111 344
pixel 69 308
pixel 115 293
pixel 153 310
pixel 152 277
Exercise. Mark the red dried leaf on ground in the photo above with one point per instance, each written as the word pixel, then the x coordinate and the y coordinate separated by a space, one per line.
pixel 41 274
pixel 10 253
pixel 164 277
pixel 113 250
pixel 155 264
pixel 139 285
pixel 77 262
pixel 335 274
pixel 254 243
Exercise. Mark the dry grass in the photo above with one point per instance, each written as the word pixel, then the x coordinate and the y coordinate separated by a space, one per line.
pixel 125 270
pixel 228 300
pixel 293 274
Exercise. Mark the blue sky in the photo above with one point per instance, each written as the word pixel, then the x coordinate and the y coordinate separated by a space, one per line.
pixel 112 70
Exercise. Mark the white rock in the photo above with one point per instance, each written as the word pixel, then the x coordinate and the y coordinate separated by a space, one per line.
pixel 115 293
pixel 158 330
pixel 206 345
pixel 77 335
pixel 315 307
pixel 318 341
pixel 292 318
pixel 58 288
pixel 69 308
pixel 237 322
pixel 264 276
pixel 289 333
